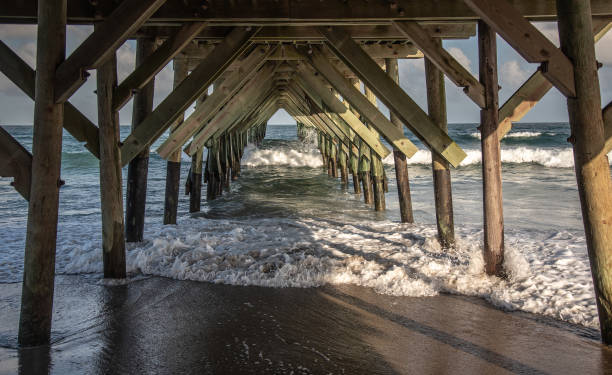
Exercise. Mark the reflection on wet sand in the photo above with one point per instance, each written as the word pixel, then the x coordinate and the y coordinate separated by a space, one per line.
pixel 164 326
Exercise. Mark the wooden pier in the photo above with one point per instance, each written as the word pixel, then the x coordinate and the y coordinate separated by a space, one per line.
pixel 328 64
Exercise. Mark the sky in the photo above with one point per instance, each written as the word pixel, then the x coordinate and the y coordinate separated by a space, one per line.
pixel 17 109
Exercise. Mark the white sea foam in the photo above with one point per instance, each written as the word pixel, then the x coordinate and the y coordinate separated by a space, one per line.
pixel 548 274
pixel 307 157
pixel 548 157
pixel 525 134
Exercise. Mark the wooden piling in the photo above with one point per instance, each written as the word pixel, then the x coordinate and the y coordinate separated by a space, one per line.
pixel 113 235
pixel 401 166
pixel 591 163
pixel 436 104
pixel 173 166
pixel 342 161
pixel 354 163
pixel 377 165
pixel 41 235
pixel 136 193
pixel 365 174
pixel 491 154
pixel 195 178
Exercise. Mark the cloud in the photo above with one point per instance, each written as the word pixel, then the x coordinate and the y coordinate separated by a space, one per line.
pixel 512 74
pixel 17 32
pixel 550 31
pixel 603 49
pixel 460 56
pixel 126 60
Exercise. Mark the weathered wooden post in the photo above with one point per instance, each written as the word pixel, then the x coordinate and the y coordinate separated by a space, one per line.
pixel 591 163
pixel 113 231
pixel 364 172
pixel 342 161
pixel 436 104
pixel 41 235
pixel 491 154
pixel 173 167
pixel 195 174
pixel 354 162
pixel 401 166
pixel 136 193
pixel 377 165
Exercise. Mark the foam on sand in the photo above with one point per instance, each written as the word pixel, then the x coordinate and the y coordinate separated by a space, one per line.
pixel 548 273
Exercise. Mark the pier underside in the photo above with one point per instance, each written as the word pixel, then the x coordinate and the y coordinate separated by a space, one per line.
pixel 328 64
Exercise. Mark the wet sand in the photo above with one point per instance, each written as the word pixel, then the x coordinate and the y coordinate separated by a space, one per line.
pixel 162 326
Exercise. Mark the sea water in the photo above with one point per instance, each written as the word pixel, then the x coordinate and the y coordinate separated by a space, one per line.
pixel 285 223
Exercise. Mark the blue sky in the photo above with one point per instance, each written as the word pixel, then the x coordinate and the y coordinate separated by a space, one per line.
pixel 17 109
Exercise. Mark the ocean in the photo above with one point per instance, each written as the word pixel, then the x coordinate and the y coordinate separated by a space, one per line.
pixel 285 223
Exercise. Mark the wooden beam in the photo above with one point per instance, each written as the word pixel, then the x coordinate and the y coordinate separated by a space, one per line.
pixel 443 60
pixel 607 118
pixel 41 236
pixel 20 73
pixel 111 180
pixel 240 103
pixel 392 95
pixel 376 51
pixel 528 41
pixel 186 93
pixel 138 169
pixel 591 164
pixel 493 216
pixel 103 42
pixel 203 113
pixel 16 162
pixel 534 89
pixel 146 71
pixel 363 32
pixel 291 12
pixel 313 87
pixel 399 159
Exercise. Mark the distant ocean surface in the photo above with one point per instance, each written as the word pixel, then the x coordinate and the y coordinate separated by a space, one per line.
pixel 286 223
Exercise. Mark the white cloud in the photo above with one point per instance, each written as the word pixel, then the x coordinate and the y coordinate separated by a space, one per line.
pixel 126 59
pixel 550 31
pixel 460 56
pixel 511 74
pixel 603 49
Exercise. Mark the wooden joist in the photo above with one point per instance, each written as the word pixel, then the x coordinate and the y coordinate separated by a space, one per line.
pixel 20 73
pixel 363 32
pixel 391 94
pixel 534 89
pixel 530 43
pixel 443 60
pixel 154 63
pixel 102 43
pixel 203 113
pixel 186 93
pixel 292 12
pixel 16 162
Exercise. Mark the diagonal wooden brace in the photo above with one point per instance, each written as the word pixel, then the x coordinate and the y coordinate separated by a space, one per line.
pixel 20 73
pixel 530 43
pixel 16 162
pixel 443 60
pixel 391 94
pixel 104 41
pixel 154 63
pixel 186 92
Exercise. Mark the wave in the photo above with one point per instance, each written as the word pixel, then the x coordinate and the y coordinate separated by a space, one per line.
pixel 523 134
pixel 310 157
pixel 548 274
pixel 547 157
pixel 306 157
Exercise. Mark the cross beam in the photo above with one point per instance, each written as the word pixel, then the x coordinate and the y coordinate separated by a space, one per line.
pixel 101 44
pixel 20 73
pixel 16 162
pixel 186 93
